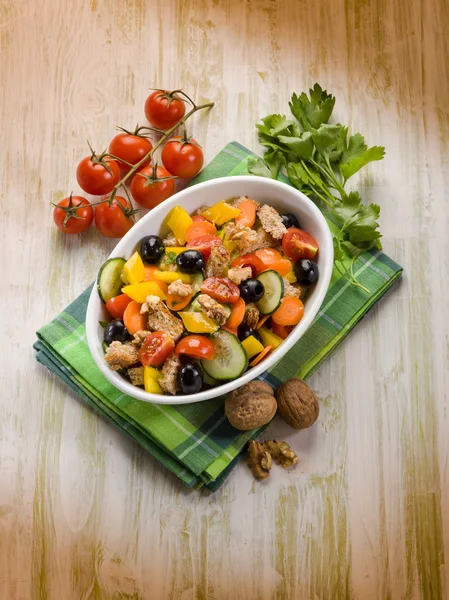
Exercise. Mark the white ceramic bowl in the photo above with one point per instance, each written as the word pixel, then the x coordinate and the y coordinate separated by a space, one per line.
pixel 279 195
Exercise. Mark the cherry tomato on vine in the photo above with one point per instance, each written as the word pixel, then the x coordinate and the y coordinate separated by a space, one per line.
pixel 149 193
pixel 163 110
pixel 182 158
pixel 97 176
pixel 114 220
pixel 69 218
pixel 131 148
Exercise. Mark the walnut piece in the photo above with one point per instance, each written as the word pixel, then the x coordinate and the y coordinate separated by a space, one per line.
pixel 259 460
pixel 251 405
pixel 297 404
pixel 281 453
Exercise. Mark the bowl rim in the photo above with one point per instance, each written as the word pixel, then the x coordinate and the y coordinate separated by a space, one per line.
pixel 322 287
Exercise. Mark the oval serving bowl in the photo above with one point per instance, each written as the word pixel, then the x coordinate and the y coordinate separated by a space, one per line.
pixel 284 199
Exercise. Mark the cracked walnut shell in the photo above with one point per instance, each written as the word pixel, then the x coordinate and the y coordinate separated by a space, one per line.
pixel 297 404
pixel 251 405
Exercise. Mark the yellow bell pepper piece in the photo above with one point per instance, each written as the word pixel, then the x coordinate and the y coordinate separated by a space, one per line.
pixel 139 291
pixel 170 276
pixel 176 249
pixel 197 322
pixel 252 346
pixel 220 213
pixel 133 269
pixel 150 380
pixel 291 277
pixel 269 338
pixel 179 221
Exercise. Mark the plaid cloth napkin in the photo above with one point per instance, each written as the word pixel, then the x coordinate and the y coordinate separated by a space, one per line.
pixel 195 441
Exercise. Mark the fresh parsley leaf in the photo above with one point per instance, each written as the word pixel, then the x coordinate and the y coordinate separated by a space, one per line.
pixel 330 141
pixel 358 221
pixel 353 165
pixel 274 159
pixel 313 112
pixel 170 258
pixel 302 146
pixel 256 166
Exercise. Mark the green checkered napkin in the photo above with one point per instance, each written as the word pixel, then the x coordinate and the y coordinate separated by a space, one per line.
pixel 195 441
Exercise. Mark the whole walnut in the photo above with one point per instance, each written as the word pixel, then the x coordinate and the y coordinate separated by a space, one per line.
pixel 297 404
pixel 251 405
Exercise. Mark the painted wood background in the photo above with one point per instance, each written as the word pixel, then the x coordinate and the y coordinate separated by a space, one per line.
pixel 84 513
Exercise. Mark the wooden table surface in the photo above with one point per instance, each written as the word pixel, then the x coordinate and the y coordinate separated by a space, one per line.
pixel 84 512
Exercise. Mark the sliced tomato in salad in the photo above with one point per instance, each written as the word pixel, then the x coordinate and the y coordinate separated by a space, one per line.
pixel 199 229
pixel 156 348
pixel 249 260
pixel 221 289
pixel 197 346
pixel 298 244
pixel 116 306
pixel 197 218
pixel 204 244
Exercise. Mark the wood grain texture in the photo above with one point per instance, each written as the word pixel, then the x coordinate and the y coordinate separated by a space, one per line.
pixel 85 513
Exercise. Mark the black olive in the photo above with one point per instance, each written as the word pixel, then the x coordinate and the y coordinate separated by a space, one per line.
pixel 115 331
pixel 151 249
pixel 306 271
pixel 190 378
pixel 290 220
pixel 251 290
pixel 244 331
pixel 190 261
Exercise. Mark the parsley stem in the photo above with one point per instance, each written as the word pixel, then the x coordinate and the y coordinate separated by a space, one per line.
pixel 321 186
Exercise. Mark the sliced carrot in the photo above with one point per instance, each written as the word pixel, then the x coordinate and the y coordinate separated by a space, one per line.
pixel 176 302
pixel 247 214
pixel 290 312
pixel 132 318
pixel 268 256
pixel 199 229
pixel 282 331
pixel 282 267
pixel 262 321
pixel 260 356
pixel 237 314
pixel 149 272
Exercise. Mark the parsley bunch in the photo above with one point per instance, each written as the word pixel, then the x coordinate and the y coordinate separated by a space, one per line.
pixel 319 158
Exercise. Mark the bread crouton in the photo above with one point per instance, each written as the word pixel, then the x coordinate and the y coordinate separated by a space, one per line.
pixel 240 274
pixel 169 380
pixel 296 290
pixel 213 309
pixel 121 356
pixel 248 240
pixel 217 265
pixel 136 375
pixel 252 315
pixel 161 319
pixel 139 337
pixel 271 221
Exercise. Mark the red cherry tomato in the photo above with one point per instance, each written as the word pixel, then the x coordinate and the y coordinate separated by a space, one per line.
pixel 200 229
pixel 97 178
pixel 221 289
pixel 298 244
pixel 73 220
pixel 196 218
pixel 116 306
pixel 249 260
pixel 131 148
pixel 163 110
pixel 197 346
pixel 184 159
pixel 156 348
pixel 204 244
pixel 112 221
pixel 150 193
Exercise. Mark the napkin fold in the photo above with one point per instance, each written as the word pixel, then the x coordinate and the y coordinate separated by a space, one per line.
pixel 195 441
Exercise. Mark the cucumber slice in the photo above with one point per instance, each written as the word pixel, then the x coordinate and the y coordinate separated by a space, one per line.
pixel 109 281
pixel 197 280
pixel 274 291
pixel 230 357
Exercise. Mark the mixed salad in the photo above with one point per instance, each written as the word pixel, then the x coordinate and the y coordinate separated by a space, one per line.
pixel 210 300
